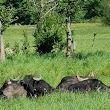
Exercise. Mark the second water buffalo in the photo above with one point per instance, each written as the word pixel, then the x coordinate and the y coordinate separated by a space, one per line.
pixel 68 80
pixel 88 85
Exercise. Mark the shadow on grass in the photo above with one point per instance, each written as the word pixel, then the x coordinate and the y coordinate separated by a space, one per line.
pixel 82 55
pixel 78 56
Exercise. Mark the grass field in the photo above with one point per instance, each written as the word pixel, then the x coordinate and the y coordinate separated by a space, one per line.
pixel 53 69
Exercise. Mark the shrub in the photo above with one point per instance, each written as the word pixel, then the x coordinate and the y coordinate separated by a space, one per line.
pixel 47 34
pixel 106 11
pixel 6 15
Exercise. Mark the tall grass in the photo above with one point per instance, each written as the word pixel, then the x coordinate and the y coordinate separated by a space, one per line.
pixel 53 68
pixel 61 101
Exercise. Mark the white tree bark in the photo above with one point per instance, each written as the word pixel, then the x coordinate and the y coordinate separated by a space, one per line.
pixel 69 51
pixel 2 53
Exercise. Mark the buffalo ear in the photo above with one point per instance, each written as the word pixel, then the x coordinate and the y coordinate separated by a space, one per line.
pixel 91 74
pixel 9 82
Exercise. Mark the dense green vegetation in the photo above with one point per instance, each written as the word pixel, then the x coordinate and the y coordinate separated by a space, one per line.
pixel 83 34
pixel 51 19
pixel 26 12
pixel 53 67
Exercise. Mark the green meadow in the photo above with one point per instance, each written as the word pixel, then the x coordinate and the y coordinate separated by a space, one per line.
pixel 54 68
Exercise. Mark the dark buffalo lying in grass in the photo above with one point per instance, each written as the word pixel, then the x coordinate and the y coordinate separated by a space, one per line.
pixel 36 87
pixel 12 88
pixel 30 86
pixel 88 85
pixel 68 80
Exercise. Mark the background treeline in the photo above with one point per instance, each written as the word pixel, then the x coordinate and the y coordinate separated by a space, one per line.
pixel 24 11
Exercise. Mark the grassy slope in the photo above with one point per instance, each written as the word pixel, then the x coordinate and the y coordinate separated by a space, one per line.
pixel 53 69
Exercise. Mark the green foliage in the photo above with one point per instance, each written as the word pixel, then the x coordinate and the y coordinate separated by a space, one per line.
pixel 24 11
pixel 47 35
pixel 92 8
pixel 69 7
pixel 48 29
pixel 6 16
pixel 81 10
pixel 13 3
pixel 105 4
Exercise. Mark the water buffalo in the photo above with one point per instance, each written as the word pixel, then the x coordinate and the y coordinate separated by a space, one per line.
pixel 12 88
pixel 28 82
pixel 36 87
pixel 88 85
pixel 68 80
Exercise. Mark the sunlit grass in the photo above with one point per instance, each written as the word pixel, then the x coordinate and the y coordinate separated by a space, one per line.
pixel 60 101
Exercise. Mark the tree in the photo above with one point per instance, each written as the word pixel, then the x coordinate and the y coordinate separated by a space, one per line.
pixel 65 9
pixel 48 32
pixel 69 52
pixel 2 54
pixel 105 6
pixel 5 20
pixel 6 15
pixel 92 8
pixel 24 12
pixel 68 8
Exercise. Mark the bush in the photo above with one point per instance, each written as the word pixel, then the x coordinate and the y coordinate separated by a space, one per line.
pixel 6 15
pixel 106 11
pixel 24 11
pixel 47 34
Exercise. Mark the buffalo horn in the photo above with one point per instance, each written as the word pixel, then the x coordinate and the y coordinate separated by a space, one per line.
pixel 37 79
pixel 18 78
pixel 81 79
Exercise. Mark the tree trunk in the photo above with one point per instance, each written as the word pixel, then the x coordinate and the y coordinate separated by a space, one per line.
pixel 69 51
pixel 2 53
